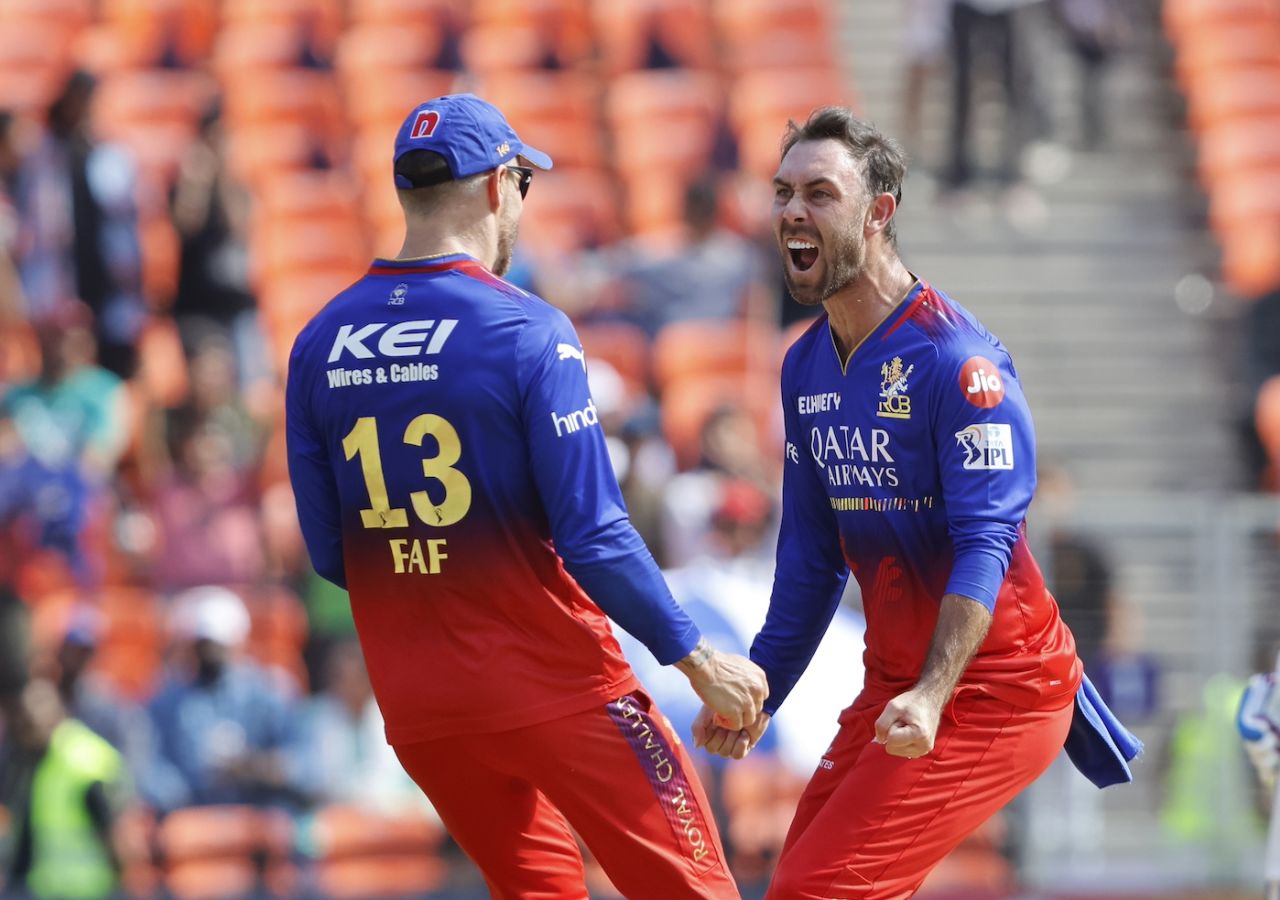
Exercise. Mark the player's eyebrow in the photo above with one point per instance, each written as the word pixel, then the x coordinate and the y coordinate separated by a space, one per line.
pixel 779 181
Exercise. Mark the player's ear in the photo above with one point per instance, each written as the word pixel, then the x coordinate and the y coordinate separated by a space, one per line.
pixel 879 215
pixel 494 186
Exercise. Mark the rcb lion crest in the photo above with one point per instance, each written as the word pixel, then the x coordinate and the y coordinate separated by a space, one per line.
pixel 894 402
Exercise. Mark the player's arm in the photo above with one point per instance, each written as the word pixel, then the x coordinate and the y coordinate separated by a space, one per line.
pixel 811 571
pixel 985 446
pixel 315 490
pixel 592 531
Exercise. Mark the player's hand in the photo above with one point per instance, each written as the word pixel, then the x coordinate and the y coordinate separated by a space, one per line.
pixel 722 741
pixel 733 686
pixel 909 724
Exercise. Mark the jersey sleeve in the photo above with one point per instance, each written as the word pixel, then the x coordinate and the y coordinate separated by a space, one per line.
pixel 578 490
pixel 987 464
pixel 811 571
pixel 315 490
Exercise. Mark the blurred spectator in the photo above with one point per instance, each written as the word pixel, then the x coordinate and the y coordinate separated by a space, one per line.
pixel 94 702
pixel 216 400
pixel 1097 29
pixel 224 729
pixel 41 508
pixel 730 449
pixel 979 27
pixel 79 238
pixel 211 213
pixel 70 788
pixel 928 24
pixel 206 514
pixel 343 752
pixel 12 303
pixel 74 413
pixel 711 273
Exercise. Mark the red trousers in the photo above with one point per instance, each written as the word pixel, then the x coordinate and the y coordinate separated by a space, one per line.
pixel 871 825
pixel 616 773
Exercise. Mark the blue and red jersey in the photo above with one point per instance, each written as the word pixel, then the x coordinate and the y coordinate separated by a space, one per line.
pixel 912 467
pixel 450 471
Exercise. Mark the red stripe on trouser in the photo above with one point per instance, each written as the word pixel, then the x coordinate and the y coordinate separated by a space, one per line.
pixel 667 778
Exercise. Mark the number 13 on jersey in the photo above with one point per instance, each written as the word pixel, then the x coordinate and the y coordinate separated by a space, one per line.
pixel 407 554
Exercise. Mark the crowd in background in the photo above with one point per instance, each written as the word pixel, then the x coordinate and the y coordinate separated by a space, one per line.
pixel 157 609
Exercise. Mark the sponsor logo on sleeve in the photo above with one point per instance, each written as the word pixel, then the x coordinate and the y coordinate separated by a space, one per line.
pixel 568 351
pixel 980 382
pixel 793 452
pixel 577 420
pixel 987 446
pixel 894 402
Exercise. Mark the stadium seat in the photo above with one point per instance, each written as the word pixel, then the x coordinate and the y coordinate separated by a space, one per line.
pixel 1234 93
pixel 504 46
pixel 284 96
pixel 221 851
pixel 249 47
pixel 383 46
pixel 1266 420
pixel 571 210
pixel 282 250
pixel 162 367
pixel 257 155
pixel 1183 18
pixel 19 352
pixel 364 854
pixel 154 114
pixel 298 198
pixel 34 65
pixel 70 15
pixel 775 33
pixel 1252 195
pixel 762 101
pixel 406 13
pixel 713 347
pixel 1215 48
pixel 622 345
pixel 664 119
pixel 643 34
pixel 131 653
pixel 278 630
pixel 378 99
pixel 141 33
pixel 557 112
pixel 1230 147
pixel 1251 257
pixel 687 402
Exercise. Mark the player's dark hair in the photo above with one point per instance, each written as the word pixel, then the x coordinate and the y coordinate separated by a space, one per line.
pixel 884 162
pixel 425 170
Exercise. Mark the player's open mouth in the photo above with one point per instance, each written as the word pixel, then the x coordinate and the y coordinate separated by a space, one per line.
pixel 803 253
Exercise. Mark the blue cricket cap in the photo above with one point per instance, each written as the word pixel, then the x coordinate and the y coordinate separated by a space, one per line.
pixel 471 134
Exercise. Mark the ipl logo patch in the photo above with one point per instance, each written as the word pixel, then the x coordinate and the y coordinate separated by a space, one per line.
pixel 894 402
pixel 398 295
pixel 987 446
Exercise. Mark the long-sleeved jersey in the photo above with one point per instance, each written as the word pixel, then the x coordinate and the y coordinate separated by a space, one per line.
pixel 912 467
pixel 450 472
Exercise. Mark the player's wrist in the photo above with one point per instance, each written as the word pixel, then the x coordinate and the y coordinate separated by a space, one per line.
pixel 698 659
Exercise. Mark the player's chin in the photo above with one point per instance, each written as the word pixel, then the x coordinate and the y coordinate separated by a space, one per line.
pixel 805 291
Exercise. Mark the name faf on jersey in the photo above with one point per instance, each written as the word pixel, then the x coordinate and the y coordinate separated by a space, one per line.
pixel 851 457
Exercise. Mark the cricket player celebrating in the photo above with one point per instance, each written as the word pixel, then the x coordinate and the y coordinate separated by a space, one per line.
pixel 451 473
pixel 910 462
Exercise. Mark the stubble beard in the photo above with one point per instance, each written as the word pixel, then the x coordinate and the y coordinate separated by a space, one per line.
pixel 507 234
pixel 845 264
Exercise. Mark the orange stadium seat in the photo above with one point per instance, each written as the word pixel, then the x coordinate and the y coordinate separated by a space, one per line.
pixel 621 345
pixel 377 100
pixel 1251 257
pixel 1183 17
pixel 364 854
pixel 257 155
pixel 34 64
pixel 71 15
pixel 162 366
pixel 215 851
pixel 248 47
pixel 664 119
pixel 287 304
pixel 281 250
pixel 572 210
pixel 131 653
pixel 324 14
pixel 503 46
pixel 687 402
pixel 155 114
pixel 1229 148
pixel 762 101
pixel 1266 420
pixel 307 196
pixel 629 32
pixel 1250 196
pixel 654 201
pixel 140 33
pixel 1236 93
pixel 1215 48
pixel 303 96
pixel 19 351
pixel 557 112
pixel 278 631
pixel 407 12
pixel 736 19
pixel 382 46
pixel 712 347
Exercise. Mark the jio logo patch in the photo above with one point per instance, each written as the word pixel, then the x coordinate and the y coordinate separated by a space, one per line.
pixel 981 383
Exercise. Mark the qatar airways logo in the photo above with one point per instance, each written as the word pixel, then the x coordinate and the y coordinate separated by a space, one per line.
pixel 416 337
pixel 853 457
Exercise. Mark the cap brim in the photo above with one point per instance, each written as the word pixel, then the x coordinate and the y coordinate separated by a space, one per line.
pixel 537 157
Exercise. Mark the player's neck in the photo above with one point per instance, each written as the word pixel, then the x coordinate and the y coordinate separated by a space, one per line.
pixel 860 307
pixel 424 239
